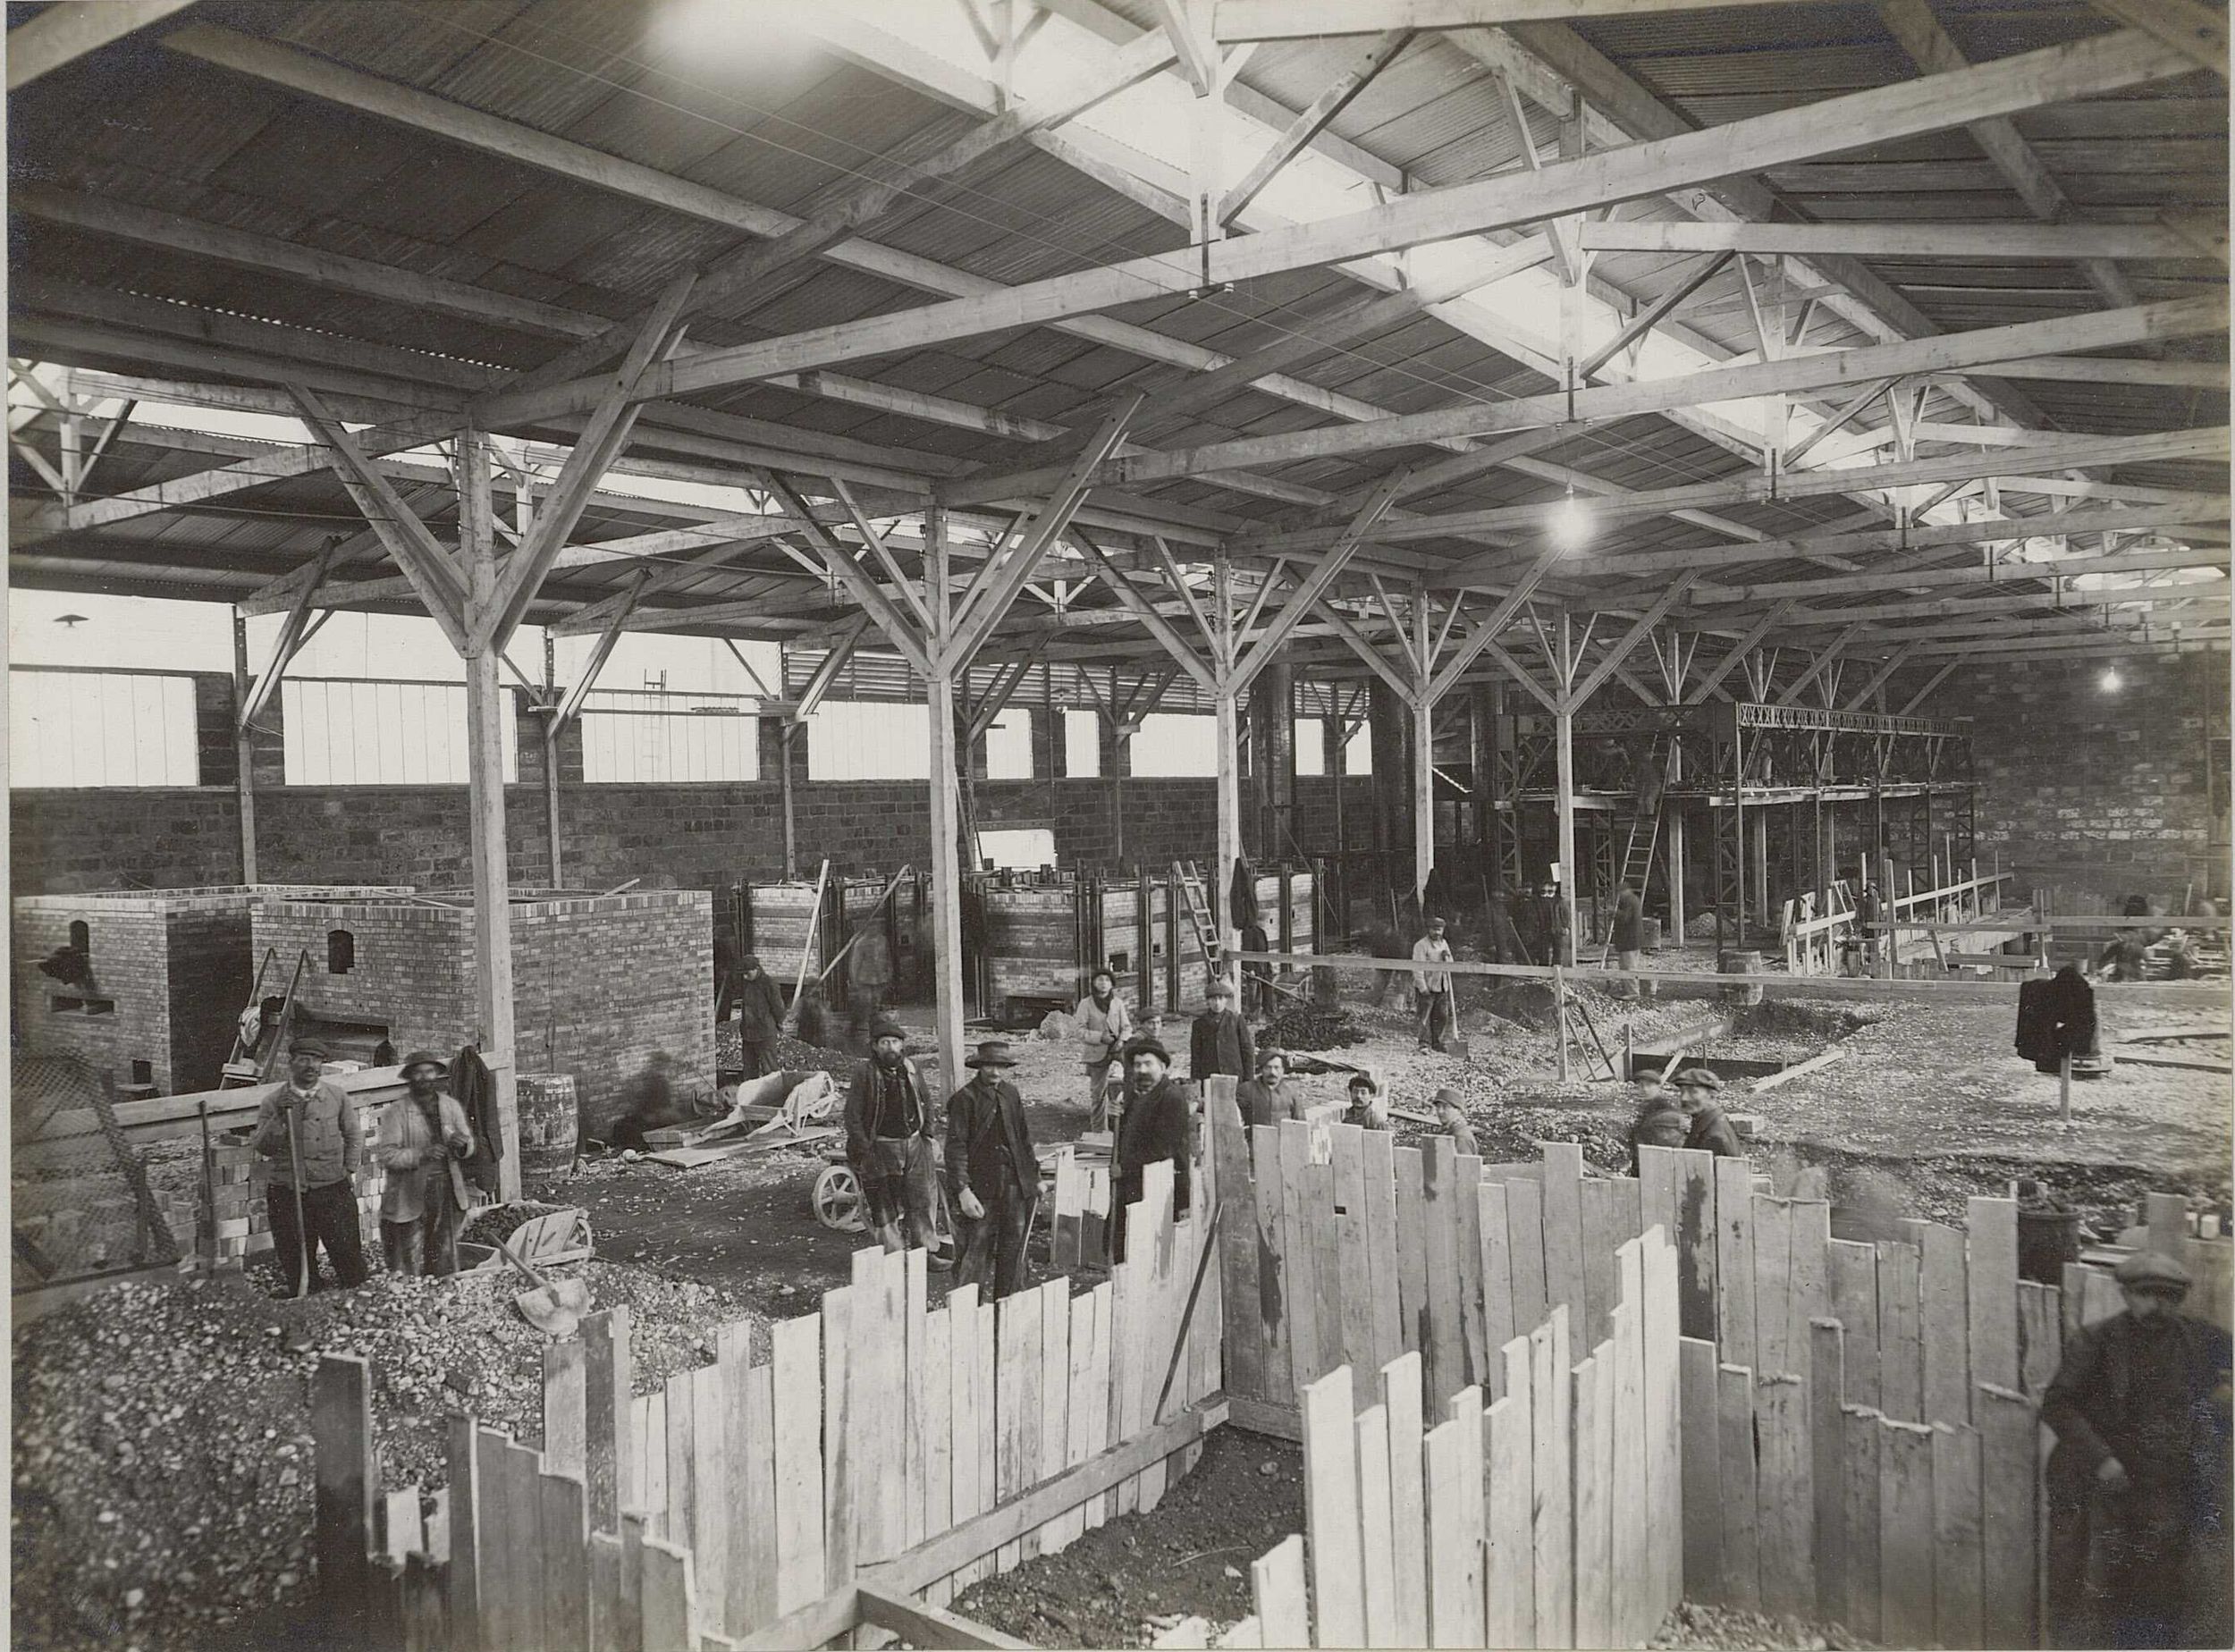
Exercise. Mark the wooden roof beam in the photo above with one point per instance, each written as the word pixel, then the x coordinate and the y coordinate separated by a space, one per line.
pixel 2055 243
pixel 60 35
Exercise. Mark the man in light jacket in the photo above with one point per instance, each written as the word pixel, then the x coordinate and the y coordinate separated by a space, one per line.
pixel 1104 1026
pixel 1431 986
pixel 310 1130
pixel 423 1143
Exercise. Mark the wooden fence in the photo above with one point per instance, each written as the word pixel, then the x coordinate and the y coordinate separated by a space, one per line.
pixel 878 1450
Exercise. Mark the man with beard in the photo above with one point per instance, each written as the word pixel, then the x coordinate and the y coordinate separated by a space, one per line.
pixel 1159 1111
pixel 424 1141
pixel 1104 1023
pixel 889 1143
pixel 2137 1479
pixel 992 1177
pixel 309 1129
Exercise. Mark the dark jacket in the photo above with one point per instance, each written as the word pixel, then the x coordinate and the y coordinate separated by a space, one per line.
pixel 989 1144
pixel 1265 1104
pixel 1154 1126
pixel 866 1119
pixel 1629 922
pixel 327 1133
pixel 1712 1131
pixel 760 1008
pixel 2057 1018
pixel 1221 1042
pixel 2104 1401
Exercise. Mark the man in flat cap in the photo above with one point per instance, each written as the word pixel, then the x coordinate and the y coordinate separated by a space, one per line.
pixel 1156 1125
pixel 759 1015
pixel 2137 1479
pixel 310 1130
pixel 424 1143
pixel 1699 1093
pixel 889 1143
pixel 1220 1041
pixel 992 1177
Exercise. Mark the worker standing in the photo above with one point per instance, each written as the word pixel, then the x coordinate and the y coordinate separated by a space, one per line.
pixel 889 1143
pixel 309 1129
pixel 1711 1130
pixel 992 1177
pixel 1431 986
pixel 1629 939
pixel 759 1015
pixel 1155 1127
pixel 1104 1024
pixel 423 1143
pixel 1267 1098
pixel 1451 1114
pixel 2137 1479
pixel 1220 1041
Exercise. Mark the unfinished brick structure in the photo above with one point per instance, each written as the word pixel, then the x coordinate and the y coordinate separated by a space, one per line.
pixel 601 984
pixel 171 972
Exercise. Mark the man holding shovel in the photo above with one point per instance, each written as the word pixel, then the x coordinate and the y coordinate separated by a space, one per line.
pixel 991 1173
pixel 423 1141
pixel 310 1131
pixel 1431 986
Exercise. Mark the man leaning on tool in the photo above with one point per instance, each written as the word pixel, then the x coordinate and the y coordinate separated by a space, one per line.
pixel 310 1130
pixel 423 1145
pixel 992 1178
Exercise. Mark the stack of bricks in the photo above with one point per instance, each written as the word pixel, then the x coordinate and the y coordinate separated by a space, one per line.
pixel 237 1223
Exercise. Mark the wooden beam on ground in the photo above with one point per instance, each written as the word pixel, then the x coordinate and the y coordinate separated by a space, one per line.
pixel 60 35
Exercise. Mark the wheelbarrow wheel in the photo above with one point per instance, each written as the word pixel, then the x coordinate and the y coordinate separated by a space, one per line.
pixel 837 1200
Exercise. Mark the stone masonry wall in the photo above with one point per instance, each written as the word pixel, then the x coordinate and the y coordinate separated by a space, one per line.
pixel 130 968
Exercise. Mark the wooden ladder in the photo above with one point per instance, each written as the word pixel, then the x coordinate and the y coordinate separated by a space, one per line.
pixel 249 1067
pixel 1189 882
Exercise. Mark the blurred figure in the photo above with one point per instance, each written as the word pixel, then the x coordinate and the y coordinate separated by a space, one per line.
pixel 1629 939
pixel 760 1003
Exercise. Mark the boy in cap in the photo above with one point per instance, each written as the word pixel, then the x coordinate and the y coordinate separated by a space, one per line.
pixel 2137 1478
pixel 1451 1113
pixel 1104 1023
pixel 1431 986
pixel 310 1130
pixel 759 1015
pixel 992 1177
pixel 1159 1110
pixel 889 1143
pixel 1219 1042
pixel 1698 1090
pixel 423 1143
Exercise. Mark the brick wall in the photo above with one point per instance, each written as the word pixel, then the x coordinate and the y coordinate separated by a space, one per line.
pixel 130 968
pixel 2098 794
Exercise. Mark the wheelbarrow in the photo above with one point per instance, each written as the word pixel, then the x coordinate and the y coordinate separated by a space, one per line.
pixel 836 1197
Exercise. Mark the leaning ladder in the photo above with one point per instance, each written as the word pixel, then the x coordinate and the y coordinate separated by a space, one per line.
pixel 1191 887
pixel 254 1067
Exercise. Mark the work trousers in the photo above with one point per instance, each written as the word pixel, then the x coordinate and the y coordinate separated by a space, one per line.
pixel 991 1247
pixel 755 1056
pixel 1435 1013
pixel 1100 1115
pixel 2123 1568
pixel 330 1213
pixel 901 1188
pixel 426 1245
pixel 1632 989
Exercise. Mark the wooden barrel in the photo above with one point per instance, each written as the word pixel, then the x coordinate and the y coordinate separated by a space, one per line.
pixel 549 1117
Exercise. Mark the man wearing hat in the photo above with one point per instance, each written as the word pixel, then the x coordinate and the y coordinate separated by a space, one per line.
pixel 1699 1091
pixel 311 1132
pixel 759 1015
pixel 1451 1113
pixel 423 1141
pixel 1219 1042
pixel 992 1177
pixel 1431 986
pixel 888 1143
pixel 1159 1112
pixel 2137 1479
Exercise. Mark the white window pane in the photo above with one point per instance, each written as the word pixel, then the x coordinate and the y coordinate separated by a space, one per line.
pixel 1083 744
pixel 1174 746
pixel 863 740
pixel 1311 740
pixel 1021 848
pixel 100 729
pixel 1358 751
pixel 1008 746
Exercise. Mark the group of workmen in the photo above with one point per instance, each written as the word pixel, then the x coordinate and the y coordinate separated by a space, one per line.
pixel 1684 1111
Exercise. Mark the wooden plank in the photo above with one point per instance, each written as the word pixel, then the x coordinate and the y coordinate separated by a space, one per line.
pixel 671 1620
pixel 1443 1340
pixel 1703 1479
pixel 402 1531
pixel 633 1532
pixel 1248 1633
pixel 795 1438
pixel 1162 1316
pixel 681 1435
pixel 1466 1415
pixel 1085 1403
pixel 1734 1260
pixel 1376 1530
pixel 716 1482
pixel 1380 1259
pixel 1329 1266
pixel 1279 1592
pixel 1602 1199
pixel 2009 1500
pixel 1631 1599
pixel 1106 1370
pixel 1990 1243
pixel 1330 1508
pixel 1017 1342
pixel 932 1390
pixel 1244 1327
pixel 1593 1413
pixel 498 1577
pixel 566 1398
pixel 1452 1617
pixel 1555 1539
pixel 1905 1534
pixel 1409 1172
pixel 1773 1287
pixel 523 1542
pixel 1859 1431
pixel 1127 1279
pixel 1356 1281
pixel 1473 1317
pixel 1944 1326
pixel 1509 1594
pixel 915 1395
pixel 461 1605
pixel 753 1595
pixel 1809 1273
pixel 564 1528
pixel 1400 1381
pixel 605 1613
pixel 1300 1252
pixel 1900 1332
pixel 1827 1368
pixel 1695 1238
pixel 1734 1419
pixel 1855 1270
pixel 1663 1424
pixel 1957 1531
pixel 1497 1284
pixel 1563 1234
pixel 1274 1272
pixel 1524 1235
pixel 2166 1217
pixel 2040 1336
pixel 1658 1180
pixel 347 1479
pixel 838 1442
pixel 921 1624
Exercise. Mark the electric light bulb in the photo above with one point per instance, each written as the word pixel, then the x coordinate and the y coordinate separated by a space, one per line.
pixel 1571 522
pixel 2111 680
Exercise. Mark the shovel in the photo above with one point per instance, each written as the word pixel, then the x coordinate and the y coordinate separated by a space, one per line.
pixel 555 1307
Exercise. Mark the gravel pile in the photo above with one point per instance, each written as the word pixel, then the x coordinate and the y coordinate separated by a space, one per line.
pixel 1302 1026
pixel 163 1481
pixel 1693 1624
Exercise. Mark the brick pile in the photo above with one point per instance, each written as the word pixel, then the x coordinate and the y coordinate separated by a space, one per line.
pixel 236 1223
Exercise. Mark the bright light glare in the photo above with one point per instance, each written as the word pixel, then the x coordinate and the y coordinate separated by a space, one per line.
pixel 2111 681
pixel 1570 524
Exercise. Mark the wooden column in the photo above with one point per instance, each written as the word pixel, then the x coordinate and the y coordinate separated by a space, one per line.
pixel 945 810
pixel 551 759
pixel 1676 912
pixel 1563 753
pixel 1229 770
pixel 486 712
pixel 243 749
pixel 1762 867
pixel 1423 710
pixel 786 741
